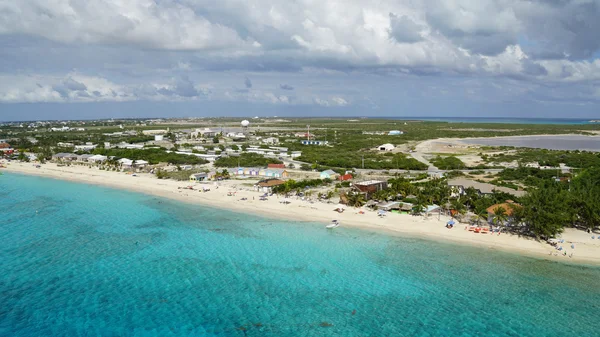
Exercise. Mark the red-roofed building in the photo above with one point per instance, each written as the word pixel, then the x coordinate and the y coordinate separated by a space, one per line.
pixel 345 177
pixel 277 166
pixel 6 149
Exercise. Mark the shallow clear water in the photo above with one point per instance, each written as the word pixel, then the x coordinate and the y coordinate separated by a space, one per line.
pixel 499 120
pixel 81 260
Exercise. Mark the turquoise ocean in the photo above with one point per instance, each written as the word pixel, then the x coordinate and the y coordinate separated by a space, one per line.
pixel 81 260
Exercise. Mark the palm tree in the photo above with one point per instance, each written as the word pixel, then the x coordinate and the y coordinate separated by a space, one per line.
pixel 355 199
pixel 470 196
pixel 500 216
pixel 459 206
pixel 418 207
pixel 381 195
pixel 481 214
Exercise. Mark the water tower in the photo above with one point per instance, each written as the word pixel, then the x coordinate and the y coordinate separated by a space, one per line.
pixel 245 124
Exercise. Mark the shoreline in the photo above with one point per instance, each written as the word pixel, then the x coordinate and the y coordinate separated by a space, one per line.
pixel 587 251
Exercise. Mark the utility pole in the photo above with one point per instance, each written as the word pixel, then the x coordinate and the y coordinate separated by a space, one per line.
pixel 308 133
pixel 363 162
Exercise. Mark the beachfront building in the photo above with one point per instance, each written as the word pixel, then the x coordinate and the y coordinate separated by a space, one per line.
pixel 64 157
pixel 395 133
pixel 276 166
pixel 84 158
pixel 266 186
pixel 460 185
pixel 97 159
pixel 140 163
pixel 314 142
pixel 6 149
pixel 125 163
pixel 198 177
pixel 329 174
pixel 386 147
pixel 276 173
pixel 389 205
pixel 369 187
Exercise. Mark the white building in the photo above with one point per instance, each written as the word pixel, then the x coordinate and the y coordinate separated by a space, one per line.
pixel 97 159
pixel 271 141
pixel 154 132
pixel 386 147
pixel 86 147
pixel 125 163
pixel 140 163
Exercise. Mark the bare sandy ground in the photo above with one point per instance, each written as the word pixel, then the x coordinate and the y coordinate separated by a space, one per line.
pixel 228 195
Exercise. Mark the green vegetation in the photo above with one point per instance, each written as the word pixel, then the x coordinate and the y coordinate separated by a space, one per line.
pixel 293 185
pixel 530 176
pixel 448 163
pixel 549 209
pixel 152 156
pixel 246 160
pixel 352 156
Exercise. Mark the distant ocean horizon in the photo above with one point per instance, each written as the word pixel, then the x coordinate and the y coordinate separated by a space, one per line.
pixel 499 120
pixel 85 260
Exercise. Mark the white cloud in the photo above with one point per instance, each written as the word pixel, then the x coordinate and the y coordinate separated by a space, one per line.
pixel 161 49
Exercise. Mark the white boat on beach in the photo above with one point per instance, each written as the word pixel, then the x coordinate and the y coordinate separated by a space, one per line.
pixel 333 224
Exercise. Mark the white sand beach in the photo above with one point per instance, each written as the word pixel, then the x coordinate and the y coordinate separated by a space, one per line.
pixel 587 250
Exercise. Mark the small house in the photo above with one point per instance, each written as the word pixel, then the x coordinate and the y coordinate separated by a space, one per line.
pixel 395 133
pixel 198 177
pixel 271 141
pixel 97 159
pixel 266 186
pixel 64 157
pixel 328 174
pixel 345 177
pixel 276 166
pixel 125 163
pixel 140 163
pixel 84 158
pixel 276 173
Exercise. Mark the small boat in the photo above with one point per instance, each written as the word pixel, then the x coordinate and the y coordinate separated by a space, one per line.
pixel 333 224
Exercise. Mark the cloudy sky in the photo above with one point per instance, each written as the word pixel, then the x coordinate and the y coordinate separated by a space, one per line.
pixel 108 58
